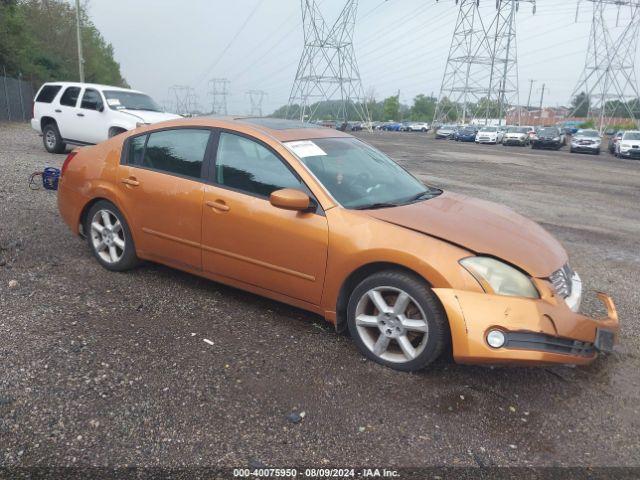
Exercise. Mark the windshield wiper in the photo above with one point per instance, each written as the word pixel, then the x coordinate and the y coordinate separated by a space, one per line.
pixel 373 206
pixel 434 192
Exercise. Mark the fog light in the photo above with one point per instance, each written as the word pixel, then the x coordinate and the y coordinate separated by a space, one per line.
pixel 495 338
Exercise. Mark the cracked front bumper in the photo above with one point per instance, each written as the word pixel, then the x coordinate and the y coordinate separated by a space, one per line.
pixel 537 331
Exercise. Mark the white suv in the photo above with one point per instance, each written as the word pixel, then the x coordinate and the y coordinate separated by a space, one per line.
pixel 85 113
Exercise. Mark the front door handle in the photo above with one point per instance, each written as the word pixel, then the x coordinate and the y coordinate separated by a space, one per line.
pixel 57 110
pixel 80 114
pixel 218 205
pixel 131 181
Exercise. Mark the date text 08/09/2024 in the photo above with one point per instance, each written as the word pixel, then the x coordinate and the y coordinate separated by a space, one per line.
pixel 315 473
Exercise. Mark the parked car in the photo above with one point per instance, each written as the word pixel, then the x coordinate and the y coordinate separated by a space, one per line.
pixel 320 220
pixel 548 137
pixel 489 134
pixel 418 127
pixel 586 140
pixel 355 126
pixel 85 113
pixel 467 134
pixel 629 145
pixel 445 131
pixel 516 136
pixel 392 127
pixel 613 140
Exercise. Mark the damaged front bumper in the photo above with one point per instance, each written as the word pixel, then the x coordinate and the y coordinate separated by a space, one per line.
pixel 536 331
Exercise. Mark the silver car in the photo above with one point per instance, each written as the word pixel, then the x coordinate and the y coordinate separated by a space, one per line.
pixel 586 141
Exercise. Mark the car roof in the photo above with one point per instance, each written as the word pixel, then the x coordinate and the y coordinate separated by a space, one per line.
pixel 279 129
pixel 92 85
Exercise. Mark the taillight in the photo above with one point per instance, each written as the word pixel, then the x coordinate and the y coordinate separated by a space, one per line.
pixel 66 162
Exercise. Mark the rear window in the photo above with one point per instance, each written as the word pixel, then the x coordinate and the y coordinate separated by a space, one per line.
pixel 48 93
pixel 70 97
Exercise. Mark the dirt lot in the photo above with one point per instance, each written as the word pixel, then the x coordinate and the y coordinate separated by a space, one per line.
pixel 102 368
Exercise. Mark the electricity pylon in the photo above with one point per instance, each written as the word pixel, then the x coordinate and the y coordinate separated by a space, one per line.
pixel 328 69
pixel 481 76
pixel 185 99
pixel 219 92
pixel 255 99
pixel 609 78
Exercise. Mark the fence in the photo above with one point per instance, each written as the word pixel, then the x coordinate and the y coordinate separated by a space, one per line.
pixel 16 98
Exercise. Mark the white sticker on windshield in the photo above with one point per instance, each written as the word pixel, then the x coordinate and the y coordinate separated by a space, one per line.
pixel 112 102
pixel 305 148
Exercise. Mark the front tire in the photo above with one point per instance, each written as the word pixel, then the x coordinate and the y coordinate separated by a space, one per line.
pixel 52 139
pixel 396 320
pixel 109 237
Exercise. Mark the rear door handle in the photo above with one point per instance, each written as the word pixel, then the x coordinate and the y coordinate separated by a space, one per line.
pixel 131 181
pixel 80 114
pixel 218 205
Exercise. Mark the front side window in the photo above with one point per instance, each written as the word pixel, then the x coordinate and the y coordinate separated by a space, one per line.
pixel 359 176
pixel 245 165
pixel 70 97
pixel 91 100
pixel 179 151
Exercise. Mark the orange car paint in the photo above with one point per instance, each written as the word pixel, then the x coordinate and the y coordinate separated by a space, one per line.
pixel 305 259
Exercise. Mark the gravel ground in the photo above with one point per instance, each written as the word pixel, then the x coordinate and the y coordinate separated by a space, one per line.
pixel 111 369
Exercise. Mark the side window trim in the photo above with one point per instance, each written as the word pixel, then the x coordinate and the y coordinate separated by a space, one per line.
pixel 211 178
pixel 204 169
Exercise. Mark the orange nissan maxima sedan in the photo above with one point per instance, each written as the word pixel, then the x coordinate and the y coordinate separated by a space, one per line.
pixel 320 220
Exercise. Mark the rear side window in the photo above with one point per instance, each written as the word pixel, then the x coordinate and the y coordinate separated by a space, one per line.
pixel 48 93
pixel 91 100
pixel 70 97
pixel 178 151
pixel 135 150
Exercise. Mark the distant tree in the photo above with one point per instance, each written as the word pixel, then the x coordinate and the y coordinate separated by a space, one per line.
pixel 423 108
pixel 44 47
pixel 391 108
pixel 580 105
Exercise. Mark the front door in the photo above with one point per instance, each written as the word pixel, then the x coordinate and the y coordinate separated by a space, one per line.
pixel 92 119
pixel 162 191
pixel 246 238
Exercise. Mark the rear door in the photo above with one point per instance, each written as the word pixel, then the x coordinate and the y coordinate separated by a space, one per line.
pixel 162 192
pixel 66 114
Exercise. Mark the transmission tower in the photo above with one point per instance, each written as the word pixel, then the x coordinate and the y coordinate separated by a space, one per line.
pixel 328 68
pixel 482 67
pixel 609 77
pixel 184 98
pixel 255 98
pixel 219 92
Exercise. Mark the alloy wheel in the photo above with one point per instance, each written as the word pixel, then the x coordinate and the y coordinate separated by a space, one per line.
pixel 50 138
pixel 391 324
pixel 107 236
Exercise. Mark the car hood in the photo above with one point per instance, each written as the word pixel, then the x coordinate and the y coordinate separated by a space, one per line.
pixel 147 116
pixel 482 227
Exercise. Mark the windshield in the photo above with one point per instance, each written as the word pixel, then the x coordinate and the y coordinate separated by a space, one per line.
pixel 359 176
pixel 119 100
pixel 587 133
pixel 489 129
pixel 549 131
pixel 632 136
pixel 517 130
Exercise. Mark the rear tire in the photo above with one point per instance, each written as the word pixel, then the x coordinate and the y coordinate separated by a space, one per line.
pixel 52 139
pixel 405 336
pixel 109 237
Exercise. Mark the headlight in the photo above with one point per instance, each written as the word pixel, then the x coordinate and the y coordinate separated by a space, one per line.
pixel 499 278
pixel 624 147
pixel 556 139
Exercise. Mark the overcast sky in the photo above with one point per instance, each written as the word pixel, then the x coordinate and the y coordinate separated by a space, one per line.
pixel 256 44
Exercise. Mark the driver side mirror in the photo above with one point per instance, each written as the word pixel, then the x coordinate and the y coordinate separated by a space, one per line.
pixel 290 199
pixel 100 107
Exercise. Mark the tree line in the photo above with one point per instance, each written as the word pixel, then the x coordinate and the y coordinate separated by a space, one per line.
pixel 38 41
